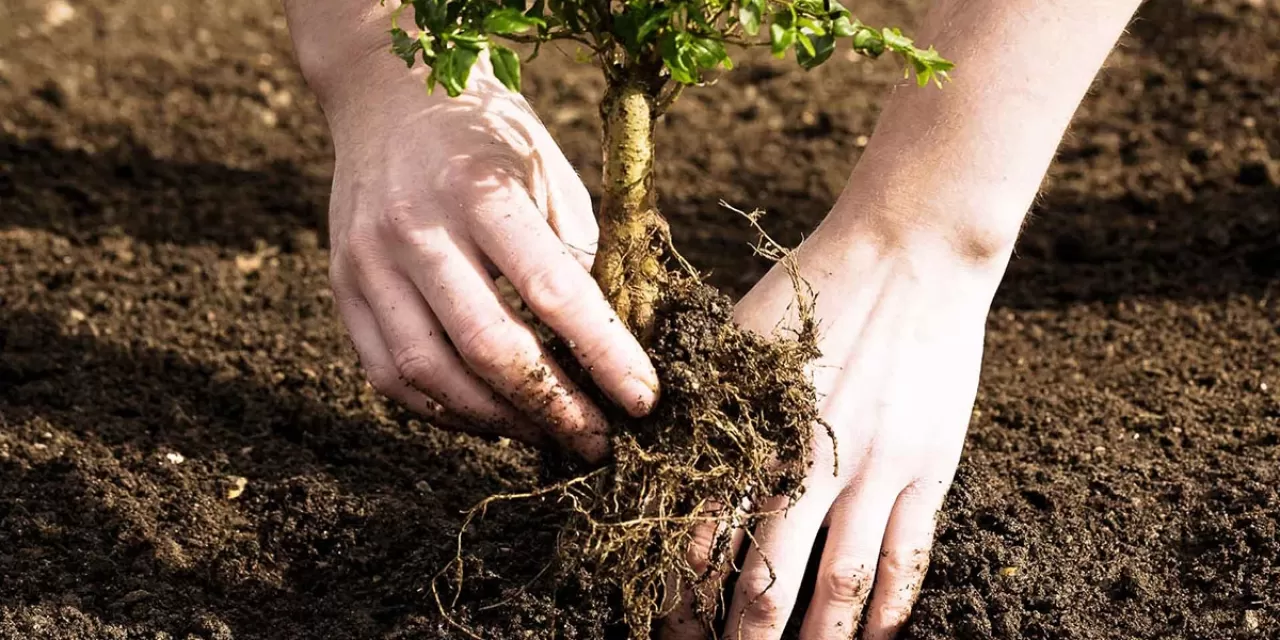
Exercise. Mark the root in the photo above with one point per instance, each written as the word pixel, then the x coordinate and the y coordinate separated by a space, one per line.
pixel 734 427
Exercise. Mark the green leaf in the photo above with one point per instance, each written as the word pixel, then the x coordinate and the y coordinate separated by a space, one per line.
pixel 805 44
pixel 508 21
pixel 674 49
pixel 813 27
pixel 566 11
pixel 453 68
pixel 506 66
pixel 652 24
pixel 843 27
pixel 868 43
pixel 929 66
pixel 837 10
pixel 823 47
pixel 403 46
pixel 785 18
pixel 430 15
pixel 894 40
pixel 780 39
pixel 750 16
pixel 707 53
pixel 811 7
pixel 627 30
pixel 931 59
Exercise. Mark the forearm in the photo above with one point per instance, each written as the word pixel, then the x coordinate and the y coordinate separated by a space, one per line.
pixel 957 168
pixel 343 49
pixel 331 37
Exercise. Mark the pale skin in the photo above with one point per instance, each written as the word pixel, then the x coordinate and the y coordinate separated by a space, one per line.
pixel 433 198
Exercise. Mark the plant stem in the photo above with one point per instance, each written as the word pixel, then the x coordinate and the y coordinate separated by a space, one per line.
pixel 633 235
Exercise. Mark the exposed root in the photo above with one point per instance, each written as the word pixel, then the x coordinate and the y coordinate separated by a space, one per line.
pixel 734 427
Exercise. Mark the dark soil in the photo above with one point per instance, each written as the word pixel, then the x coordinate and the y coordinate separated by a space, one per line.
pixel 166 331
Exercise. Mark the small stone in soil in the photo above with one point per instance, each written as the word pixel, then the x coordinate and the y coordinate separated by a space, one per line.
pixel 238 483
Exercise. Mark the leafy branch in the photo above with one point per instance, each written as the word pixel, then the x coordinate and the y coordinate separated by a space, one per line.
pixel 684 38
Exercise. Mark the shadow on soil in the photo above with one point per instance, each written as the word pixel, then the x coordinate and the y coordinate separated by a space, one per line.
pixel 1225 242
pixel 329 533
pixel 126 188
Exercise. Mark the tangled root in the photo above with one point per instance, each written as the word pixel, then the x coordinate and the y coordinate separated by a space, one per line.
pixel 733 429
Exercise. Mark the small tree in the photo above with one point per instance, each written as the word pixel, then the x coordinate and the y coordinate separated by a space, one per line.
pixel 649 51
pixel 738 410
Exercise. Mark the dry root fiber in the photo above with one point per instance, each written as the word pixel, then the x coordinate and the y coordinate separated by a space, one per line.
pixel 734 427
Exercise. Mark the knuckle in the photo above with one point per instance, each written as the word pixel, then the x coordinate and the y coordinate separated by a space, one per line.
pixel 345 293
pixel 847 584
pixel 397 221
pixel 904 562
pixel 383 379
pixel 765 603
pixel 702 550
pixel 337 275
pixel 363 251
pixel 895 614
pixel 550 292
pixel 489 345
pixel 417 366
pixel 484 171
pixel 431 248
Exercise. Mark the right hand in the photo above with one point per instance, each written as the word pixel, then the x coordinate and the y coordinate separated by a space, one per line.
pixel 433 198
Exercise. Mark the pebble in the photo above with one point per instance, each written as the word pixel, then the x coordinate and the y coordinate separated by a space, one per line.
pixel 58 13
pixel 175 457
pixel 303 240
pixel 238 483
pixel 1250 620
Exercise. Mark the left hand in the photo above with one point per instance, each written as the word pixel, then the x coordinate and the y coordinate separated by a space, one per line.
pixel 901 337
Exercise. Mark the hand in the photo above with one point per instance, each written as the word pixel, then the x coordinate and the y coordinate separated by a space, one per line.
pixel 433 197
pixel 901 337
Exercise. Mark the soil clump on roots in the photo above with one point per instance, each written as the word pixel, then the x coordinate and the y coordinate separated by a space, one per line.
pixel 733 428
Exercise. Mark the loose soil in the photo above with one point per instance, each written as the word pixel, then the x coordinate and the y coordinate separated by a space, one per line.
pixel 187 448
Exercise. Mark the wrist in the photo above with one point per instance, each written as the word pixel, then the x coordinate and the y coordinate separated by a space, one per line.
pixel 335 41
pixel 943 236
pixel 853 272
pixel 343 51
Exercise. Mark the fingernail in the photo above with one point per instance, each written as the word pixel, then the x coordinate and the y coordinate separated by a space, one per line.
pixel 640 393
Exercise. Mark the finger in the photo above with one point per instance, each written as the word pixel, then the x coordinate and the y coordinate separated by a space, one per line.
pixel 564 198
pixel 424 360
pixel 498 346
pixel 570 212
pixel 375 360
pixel 774 569
pixel 848 565
pixel 710 556
pixel 566 298
pixel 380 371
pixel 904 558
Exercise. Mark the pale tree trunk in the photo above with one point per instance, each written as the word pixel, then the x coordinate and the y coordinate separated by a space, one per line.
pixel 629 263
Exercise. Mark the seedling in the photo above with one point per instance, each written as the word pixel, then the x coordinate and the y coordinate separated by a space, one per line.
pixel 649 52
pixel 738 411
